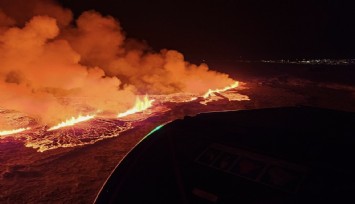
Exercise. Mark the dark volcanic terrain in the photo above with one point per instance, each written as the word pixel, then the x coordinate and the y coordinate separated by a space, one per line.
pixel 66 174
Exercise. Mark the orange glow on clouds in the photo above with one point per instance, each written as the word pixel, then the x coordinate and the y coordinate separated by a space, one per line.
pixel 67 67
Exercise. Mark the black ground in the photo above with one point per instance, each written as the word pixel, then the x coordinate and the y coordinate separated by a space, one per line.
pixel 279 155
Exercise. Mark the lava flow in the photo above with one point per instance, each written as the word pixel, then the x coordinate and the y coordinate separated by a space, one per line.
pixel 72 121
pixel 100 126
pixel 139 106
pixel 14 131
pixel 210 92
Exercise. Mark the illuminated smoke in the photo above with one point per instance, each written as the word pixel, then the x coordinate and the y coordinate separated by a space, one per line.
pixel 52 68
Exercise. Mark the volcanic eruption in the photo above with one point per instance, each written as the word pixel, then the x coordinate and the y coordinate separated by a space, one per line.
pixel 61 77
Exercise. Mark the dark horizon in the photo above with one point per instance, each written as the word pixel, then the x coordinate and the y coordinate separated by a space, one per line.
pixel 229 30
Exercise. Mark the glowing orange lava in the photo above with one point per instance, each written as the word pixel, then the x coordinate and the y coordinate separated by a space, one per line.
pixel 72 121
pixel 210 92
pixel 14 131
pixel 139 106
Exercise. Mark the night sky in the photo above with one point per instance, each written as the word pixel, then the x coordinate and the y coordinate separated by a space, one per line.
pixel 222 30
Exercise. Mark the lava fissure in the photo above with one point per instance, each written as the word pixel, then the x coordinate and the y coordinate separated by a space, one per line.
pixel 86 65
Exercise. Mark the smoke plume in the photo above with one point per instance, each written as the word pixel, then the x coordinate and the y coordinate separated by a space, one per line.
pixel 53 67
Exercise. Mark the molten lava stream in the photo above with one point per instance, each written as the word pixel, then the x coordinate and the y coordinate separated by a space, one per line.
pixel 72 121
pixel 14 131
pixel 139 106
pixel 211 92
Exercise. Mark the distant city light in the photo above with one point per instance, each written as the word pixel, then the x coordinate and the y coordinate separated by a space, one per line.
pixel 313 61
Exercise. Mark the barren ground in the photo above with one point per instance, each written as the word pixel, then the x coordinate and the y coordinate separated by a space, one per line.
pixel 76 174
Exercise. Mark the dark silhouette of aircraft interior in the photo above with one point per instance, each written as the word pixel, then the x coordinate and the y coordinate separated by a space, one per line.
pixel 276 155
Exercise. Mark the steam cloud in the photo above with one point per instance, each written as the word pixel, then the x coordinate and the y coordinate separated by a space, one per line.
pixel 52 67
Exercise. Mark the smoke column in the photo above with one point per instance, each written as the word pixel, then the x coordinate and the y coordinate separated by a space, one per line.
pixel 53 67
